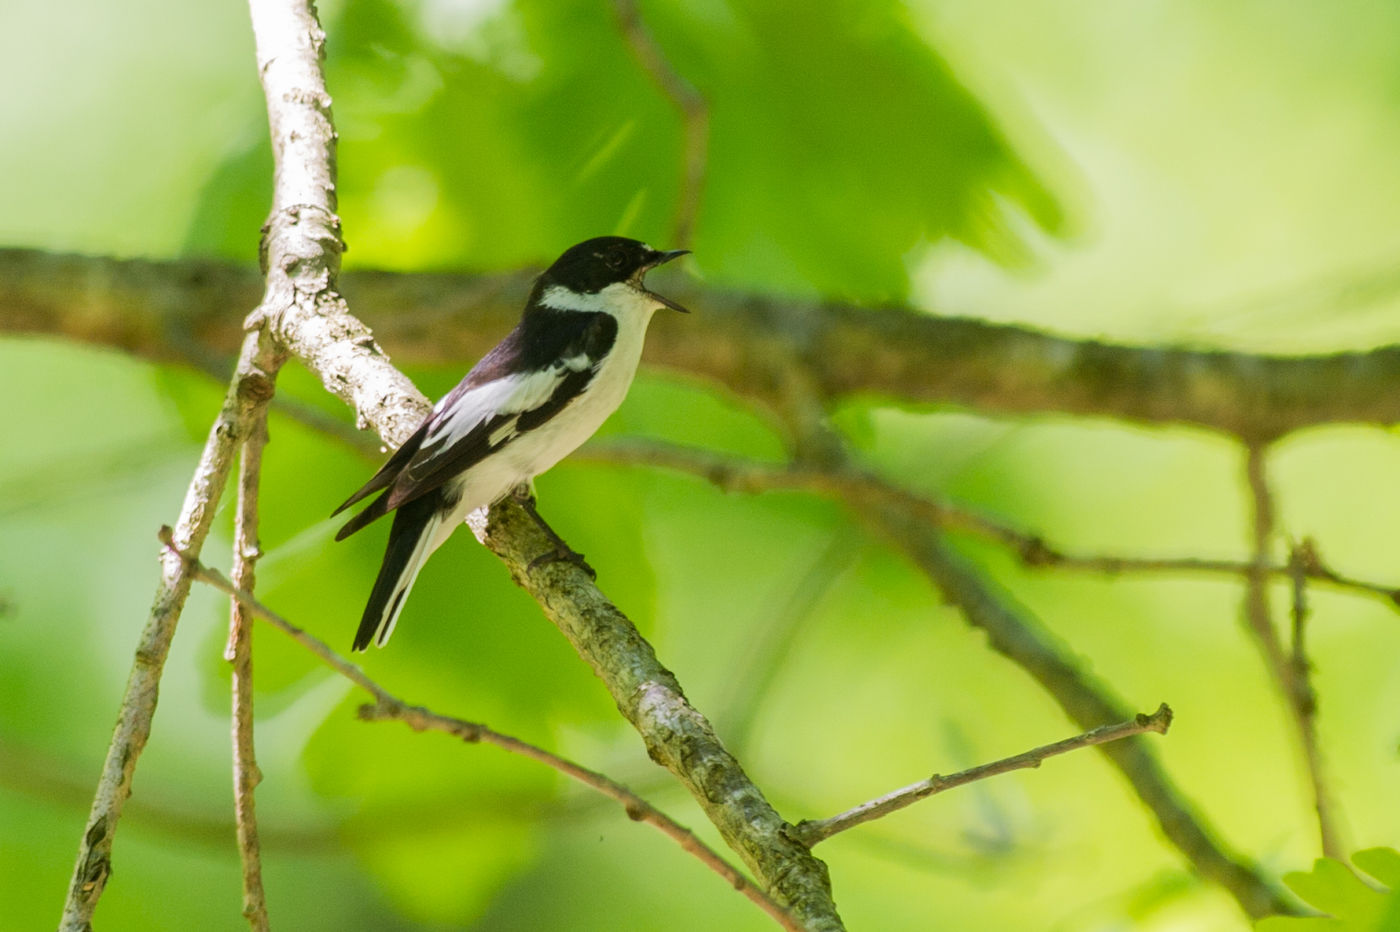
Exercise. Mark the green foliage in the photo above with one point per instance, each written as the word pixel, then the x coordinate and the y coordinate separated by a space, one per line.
pixel 877 150
pixel 1350 903
pixel 542 130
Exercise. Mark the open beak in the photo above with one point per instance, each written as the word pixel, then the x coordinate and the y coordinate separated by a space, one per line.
pixel 661 258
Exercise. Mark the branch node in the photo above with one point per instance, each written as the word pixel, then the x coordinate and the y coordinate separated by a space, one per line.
pixel 1158 721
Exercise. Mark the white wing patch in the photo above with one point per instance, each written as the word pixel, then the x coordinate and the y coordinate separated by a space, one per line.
pixel 503 433
pixel 509 395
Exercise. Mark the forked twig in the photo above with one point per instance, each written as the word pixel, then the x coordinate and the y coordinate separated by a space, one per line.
pixel 387 706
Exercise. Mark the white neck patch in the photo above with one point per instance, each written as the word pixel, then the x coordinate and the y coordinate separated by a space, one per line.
pixel 618 299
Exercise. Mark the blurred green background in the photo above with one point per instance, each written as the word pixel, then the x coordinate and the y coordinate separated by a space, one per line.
pixel 1188 172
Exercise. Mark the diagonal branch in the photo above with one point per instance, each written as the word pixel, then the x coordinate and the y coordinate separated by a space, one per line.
pixel 811 831
pixel 311 322
pixel 648 695
pixel 388 707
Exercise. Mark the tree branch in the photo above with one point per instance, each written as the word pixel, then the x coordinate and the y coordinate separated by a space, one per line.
pixel 250 390
pixel 312 323
pixel 912 523
pixel 387 707
pixel 811 831
pixel 859 487
pixel 677 736
pixel 301 256
pixel 1088 703
pixel 184 311
pixel 239 653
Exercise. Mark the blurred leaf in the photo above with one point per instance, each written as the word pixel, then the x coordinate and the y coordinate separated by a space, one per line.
pixel 441 823
pixel 1381 863
pixel 499 144
pixel 1351 905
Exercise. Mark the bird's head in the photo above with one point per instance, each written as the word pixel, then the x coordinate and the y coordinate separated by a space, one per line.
pixel 603 268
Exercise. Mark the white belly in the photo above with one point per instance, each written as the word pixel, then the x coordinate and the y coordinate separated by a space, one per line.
pixel 532 453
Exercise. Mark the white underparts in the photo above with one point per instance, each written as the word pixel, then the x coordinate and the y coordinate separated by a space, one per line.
pixel 530 453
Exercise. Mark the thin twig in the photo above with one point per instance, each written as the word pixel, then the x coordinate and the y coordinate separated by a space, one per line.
pixel 301 257
pixel 811 831
pixel 694 111
pixel 249 391
pixel 854 486
pixel 239 652
pixel 386 706
pixel 649 696
pixel 1012 633
pixel 637 809
pixel 1302 556
pixel 1289 672
pixel 1258 612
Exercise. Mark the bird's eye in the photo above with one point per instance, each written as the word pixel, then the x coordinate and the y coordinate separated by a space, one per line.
pixel 616 259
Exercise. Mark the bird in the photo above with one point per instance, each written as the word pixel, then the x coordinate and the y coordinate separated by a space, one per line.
pixel 531 401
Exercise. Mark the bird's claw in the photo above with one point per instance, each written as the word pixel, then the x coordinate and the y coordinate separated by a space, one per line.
pixel 562 553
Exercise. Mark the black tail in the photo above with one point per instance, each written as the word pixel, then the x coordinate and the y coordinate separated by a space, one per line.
pixel 410 540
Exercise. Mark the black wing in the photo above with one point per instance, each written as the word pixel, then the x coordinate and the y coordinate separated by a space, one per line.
pixel 547 361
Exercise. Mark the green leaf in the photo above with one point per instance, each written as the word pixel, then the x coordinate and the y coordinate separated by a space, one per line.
pixel 1381 863
pixel 1351 904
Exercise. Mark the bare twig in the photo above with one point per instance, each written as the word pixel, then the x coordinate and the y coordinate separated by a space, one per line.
pixel 811 831
pixel 386 706
pixel 1302 559
pixel 239 652
pixel 1011 632
pixel 637 809
pixel 1257 610
pixel 301 252
pixel 859 487
pixel 250 390
pixel 694 111
pixel 1089 703
pixel 1290 671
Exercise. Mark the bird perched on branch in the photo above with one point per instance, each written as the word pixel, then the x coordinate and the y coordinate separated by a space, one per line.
pixel 526 405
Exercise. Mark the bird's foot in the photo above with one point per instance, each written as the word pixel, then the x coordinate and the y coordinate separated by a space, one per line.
pixel 562 553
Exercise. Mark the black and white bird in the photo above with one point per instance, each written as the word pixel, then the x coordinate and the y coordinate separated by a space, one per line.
pixel 526 405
